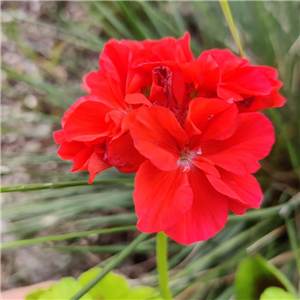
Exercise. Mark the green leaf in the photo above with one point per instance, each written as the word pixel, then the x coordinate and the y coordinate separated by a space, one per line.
pixel 143 293
pixel 35 294
pixel 112 286
pixel 254 275
pixel 276 293
pixel 64 290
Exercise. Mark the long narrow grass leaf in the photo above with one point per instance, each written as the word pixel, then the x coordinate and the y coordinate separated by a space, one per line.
pixel 131 19
pixel 59 185
pixel 111 265
pixel 228 16
pixel 65 236
pixel 292 234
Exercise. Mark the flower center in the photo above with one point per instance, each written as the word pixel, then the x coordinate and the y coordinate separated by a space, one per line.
pixel 186 156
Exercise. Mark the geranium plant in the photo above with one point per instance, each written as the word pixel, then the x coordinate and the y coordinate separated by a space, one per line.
pixel 189 127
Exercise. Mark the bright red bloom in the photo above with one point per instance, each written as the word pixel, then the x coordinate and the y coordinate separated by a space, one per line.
pixel 189 127
pixel 194 174
pixel 218 73
pixel 101 121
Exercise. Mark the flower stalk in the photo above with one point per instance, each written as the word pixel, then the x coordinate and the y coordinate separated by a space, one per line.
pixel 162 264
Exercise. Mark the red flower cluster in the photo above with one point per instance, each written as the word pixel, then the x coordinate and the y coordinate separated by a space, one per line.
pixel 188 127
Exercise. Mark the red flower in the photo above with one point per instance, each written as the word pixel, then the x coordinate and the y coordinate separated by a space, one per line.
pixel 188 127
pixel 101 120
pixel 218 73
pixel 194 174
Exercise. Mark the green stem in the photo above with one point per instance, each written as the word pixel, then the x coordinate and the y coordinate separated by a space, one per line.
pixel 110 265
pixel 162 264
pixel 228 16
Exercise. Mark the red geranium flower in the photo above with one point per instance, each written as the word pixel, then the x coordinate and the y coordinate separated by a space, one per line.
pixel 189 126
pixel 99 122
pixel 194 174
pixel 218 73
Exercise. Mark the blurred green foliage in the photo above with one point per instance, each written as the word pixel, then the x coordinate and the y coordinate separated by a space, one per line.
pixel 112 286
pixel 47 48
pixel 255 275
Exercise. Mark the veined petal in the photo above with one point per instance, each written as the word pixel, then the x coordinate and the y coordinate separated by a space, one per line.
pixel 114 60
pixel 86 122
pixel 222 187
pixel 245 186
pixel 96 165
pixel 212 117
pixel 251 141
pixel 236 207
pixel 246 80
pixel 160 197
pixel 178 87
pixel 107 89
pixel 59 136
pixel 209 74
pixel 69 150
pixel 205 166
pixel 183 52
pixel 224 58
pixel 158 136
pixel 82 158
pixel 207 215
pixel 122 154
pixel 137 98
pixel 263 102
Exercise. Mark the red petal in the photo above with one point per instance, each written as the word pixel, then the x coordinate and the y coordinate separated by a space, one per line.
pixel 86 121
pixel 220 186
pixel 158 136
pixel 207 215
pixel 114 60
pixel 157 95
pixel 85 86
pixel 178 86
pixel 210 73
pixel 263 102
pixel 245 186
pixel 269 72
pixel 59 136
pixel 82 158
pixel 246 80
pixel 183 51
pixel 206 167
pixel 69 150
pixel 252 141
pixel 107 89
pixel 96 165
pixel 224 92
pixel 236 208
pixel 137 99
pixel 122 154
pixel 138 80
pixel 219 55
pixel 116 117
pixel 160 197
pixel 126 122
pixel 212 117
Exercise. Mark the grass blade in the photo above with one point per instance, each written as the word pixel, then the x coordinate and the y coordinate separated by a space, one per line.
pixel 228 16
pixel 65 236
pixel 111 265
pixel 59 185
